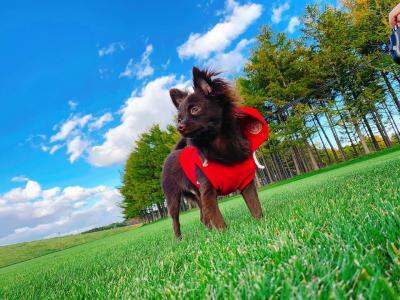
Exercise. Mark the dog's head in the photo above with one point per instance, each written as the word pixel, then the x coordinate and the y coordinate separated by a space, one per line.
pixel 204 111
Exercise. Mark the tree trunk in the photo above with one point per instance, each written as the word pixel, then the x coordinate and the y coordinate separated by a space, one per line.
pixel 327 139
pixel 394 72
pixel 312 158
pixel 357 127
pixel 277 174
pixel 332 127
pixel 391 90
pixel 362 139
pixel 323 145
pixel 381 128
pixel 301 154
pixel 371 134
pixel 355 151
pixel 160 210
pixel 296 163
pixel 267 171
pixel 257 179
pixel 278 167
pixel 392 121
pixel 286 171
pixel 183 204
pixel 320 161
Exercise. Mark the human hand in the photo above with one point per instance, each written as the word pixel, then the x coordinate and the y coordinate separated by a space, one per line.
pixel 394 16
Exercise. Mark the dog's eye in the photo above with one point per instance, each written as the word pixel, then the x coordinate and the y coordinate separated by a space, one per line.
pixel 195 110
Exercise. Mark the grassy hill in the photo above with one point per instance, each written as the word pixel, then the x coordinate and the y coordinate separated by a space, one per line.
pixel 20 252
pixel 335 234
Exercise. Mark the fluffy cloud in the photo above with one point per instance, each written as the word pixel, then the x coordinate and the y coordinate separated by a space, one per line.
pixel 237 18
pixel 76 147
pixel 30 213
pixel 70 134
pixel 278 11
pixel 111 48
pixel 152 105
pixel 68 127
pixel 31 191
pixel 293 23
pixel 140 111
pixel 74 134
pixel 20 178
pixel 232 61
pixel 128 72
pixel 142 69
pixel 55 148
pixel 100 121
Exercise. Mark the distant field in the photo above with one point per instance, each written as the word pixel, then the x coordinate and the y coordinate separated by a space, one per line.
pixel 24 251
pixel 332 235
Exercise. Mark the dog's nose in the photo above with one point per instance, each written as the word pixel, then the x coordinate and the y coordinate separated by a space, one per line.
pixel 181 127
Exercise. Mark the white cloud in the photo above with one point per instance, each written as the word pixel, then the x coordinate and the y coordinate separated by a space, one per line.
pixel 75 134
pixel 166 64
pixel 100 122
pixel 140 112
pixel 76 147
pixel 237 19
pixel 54 211
pixel 128 72
pixel 71 134
pixel 49 193
pixel 278 11
pixel 293 23
pixel 111 48
pixel 55 148
pixel 20 178
pixel 142 69
pixel 72 104
pixel 232 61
pixel 68 127
pixel 31 191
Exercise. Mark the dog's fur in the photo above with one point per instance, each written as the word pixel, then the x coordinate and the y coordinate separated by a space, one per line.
pixel 207 122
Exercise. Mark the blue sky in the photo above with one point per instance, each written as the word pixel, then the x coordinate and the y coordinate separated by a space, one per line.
pixel 82 79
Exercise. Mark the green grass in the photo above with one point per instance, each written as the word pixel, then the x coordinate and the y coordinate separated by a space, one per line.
pixel 332 235
pixel 16 253
pixel 372 155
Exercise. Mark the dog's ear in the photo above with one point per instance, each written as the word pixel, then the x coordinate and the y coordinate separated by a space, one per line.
pixel 177 96
pixel 200 81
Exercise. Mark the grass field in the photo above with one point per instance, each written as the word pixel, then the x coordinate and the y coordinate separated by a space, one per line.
pixel 332 235
pixel 16 253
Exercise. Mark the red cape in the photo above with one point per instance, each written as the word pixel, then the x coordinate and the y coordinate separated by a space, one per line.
pixel 229 178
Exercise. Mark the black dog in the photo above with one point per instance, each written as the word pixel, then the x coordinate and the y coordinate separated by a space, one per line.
pixel 207 122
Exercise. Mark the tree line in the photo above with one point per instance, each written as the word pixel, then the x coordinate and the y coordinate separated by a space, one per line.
pixel 329 95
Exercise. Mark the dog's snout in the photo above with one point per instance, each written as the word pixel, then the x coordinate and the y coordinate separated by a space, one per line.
pixel 181 127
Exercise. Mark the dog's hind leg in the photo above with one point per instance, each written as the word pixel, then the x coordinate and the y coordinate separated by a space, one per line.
pixel 250 196
pixel 173 204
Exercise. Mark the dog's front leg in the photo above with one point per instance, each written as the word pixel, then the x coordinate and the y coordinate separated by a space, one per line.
pixel 209 205
pixel 250 196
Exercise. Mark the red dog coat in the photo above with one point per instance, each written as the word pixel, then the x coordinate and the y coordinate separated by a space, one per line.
pixel 229 178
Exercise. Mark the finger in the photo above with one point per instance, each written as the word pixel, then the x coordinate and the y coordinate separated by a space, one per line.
pixel 393 21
